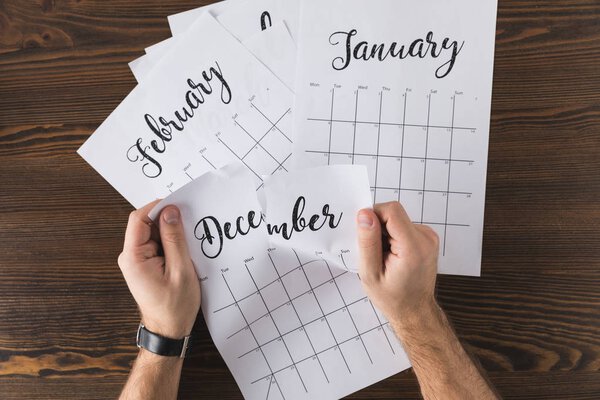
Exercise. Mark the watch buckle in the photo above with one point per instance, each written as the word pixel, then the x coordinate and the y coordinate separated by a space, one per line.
pixel 137 335
pixel 185 347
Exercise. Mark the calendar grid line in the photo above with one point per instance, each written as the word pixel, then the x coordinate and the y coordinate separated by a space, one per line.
pixel 321 309
pixel 372 307
pixel 338 345
pixel 265 286
pixel 426 148
pixel 420 190
pixel 373 155
pixel 269 389
pixel 354 135
pixel 209 163
pixel 298 316
pixel 402 145
pixel 377 152
pixel 239 158
pixel 267 132
pixel 399 157
pixel 274 125
pixel 303 325
pixel 283 304
pixel 257 143
pixel 255 339
pixel 391 124
pixel 330 126
pixel 276 327
pixel 348 311
pixel 448 187
pixel 381 324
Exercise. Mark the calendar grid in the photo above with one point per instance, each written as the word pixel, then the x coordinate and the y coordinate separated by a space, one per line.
pixel 258 143
pixel 255 339
pixel 323 317
pixel 377 154
pixel 276 327
pixel 299 320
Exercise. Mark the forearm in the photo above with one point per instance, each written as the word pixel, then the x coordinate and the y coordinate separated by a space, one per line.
pixel 153 377
pixel 443 368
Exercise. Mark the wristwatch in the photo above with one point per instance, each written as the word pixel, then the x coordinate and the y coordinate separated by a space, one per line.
pixel 161 345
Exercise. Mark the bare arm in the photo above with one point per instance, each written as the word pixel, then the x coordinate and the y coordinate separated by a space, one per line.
pixel 167 291
pixel 153 377
pixel 398 271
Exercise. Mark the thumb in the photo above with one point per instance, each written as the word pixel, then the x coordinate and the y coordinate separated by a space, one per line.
pixel 369 245
pixel 173 237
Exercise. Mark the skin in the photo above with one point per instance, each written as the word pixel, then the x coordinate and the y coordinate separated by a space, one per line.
pixel 398 271
pixel 167 291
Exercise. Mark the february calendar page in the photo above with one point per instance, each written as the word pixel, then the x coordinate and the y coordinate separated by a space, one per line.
pixel 405 89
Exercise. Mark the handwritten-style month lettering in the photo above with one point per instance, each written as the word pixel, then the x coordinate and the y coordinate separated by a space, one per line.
pixel 418 48
pixel 212 233
pixel 162 128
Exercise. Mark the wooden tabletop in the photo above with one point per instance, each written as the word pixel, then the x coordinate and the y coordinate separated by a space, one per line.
pixel 67 320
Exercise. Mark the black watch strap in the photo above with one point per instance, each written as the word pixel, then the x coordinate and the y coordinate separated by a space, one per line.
pixel 161 345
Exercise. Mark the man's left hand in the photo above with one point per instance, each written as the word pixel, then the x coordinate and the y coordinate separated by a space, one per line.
pixel 159 272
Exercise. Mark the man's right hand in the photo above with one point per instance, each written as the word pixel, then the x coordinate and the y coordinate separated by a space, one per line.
pixel 398 263
pixel 398 268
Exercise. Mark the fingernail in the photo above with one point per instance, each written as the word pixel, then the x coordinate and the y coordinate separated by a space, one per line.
pixel 365 220
pixel 171 216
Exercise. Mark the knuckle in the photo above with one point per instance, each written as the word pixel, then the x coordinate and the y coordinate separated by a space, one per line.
pixel 133 215
pixel 368 280
pixel 122 260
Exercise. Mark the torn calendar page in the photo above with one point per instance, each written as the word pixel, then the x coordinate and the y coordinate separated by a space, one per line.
pixel 207 103
pixel 287 323
pixel 347 186
pixel 406 91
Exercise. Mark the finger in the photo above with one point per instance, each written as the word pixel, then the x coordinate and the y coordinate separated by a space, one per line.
pixel 395 220
pixel 173 238
pixel 429 233
pixel 148 250
pixel 369 246
pixel 139 227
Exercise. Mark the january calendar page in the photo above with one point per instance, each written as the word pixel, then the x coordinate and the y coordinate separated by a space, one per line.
pixel 405 89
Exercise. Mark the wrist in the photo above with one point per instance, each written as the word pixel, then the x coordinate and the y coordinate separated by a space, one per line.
pixel 171 331
pixel 422 318
pixel 148 358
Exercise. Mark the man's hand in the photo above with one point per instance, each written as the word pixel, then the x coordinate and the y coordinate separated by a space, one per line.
pixel 398 263
pixel 159 272
pixel 398 268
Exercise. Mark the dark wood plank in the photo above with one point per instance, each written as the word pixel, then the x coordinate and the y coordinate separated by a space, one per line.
pixel 67 319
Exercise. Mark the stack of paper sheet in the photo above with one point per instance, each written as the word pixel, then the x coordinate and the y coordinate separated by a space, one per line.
pixel 249 93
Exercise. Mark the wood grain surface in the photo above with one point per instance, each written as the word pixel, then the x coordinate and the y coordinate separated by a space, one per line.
pixel 67 320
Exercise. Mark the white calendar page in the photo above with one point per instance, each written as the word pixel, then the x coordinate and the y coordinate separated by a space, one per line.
pixel 208 102
pixel 405 89
pixel 289 323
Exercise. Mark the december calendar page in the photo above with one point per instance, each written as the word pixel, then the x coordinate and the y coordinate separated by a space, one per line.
pixel 405 89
